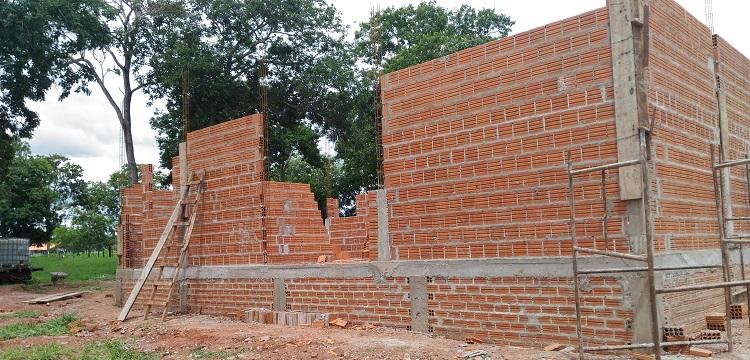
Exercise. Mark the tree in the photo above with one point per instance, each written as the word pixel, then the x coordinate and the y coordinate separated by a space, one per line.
pixel 37 193
pixel 411 35
pixel 36 40
pixel 220 44
pixel 124 54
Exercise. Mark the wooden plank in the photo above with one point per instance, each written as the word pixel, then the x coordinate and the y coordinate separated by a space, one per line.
pixel 54 297
pixel 151 261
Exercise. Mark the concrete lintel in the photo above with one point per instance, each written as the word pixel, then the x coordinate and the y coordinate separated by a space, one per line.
pixel 500 267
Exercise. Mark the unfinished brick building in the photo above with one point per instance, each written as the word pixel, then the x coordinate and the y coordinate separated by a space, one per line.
pixel 470 236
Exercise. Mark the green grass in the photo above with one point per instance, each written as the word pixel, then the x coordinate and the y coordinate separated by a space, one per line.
pixel 50 351
pixel 99 350
pixel 203 353
pixel 112 350
pixel 53 327
pixel 24 314
pixel 80 268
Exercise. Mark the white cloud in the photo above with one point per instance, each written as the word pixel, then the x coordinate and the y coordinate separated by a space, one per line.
pixel 85 128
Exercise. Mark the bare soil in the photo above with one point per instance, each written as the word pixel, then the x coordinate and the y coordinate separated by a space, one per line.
pixel 201 336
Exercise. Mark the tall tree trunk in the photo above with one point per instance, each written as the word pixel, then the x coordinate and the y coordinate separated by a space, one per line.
pixel 129 152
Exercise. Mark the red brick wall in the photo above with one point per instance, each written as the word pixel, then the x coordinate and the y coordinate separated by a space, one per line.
pixel 356 235
pixel 734 71
pixel 358 300
pixel 229 297
pixel 474 144
pixel 683 107
pixel 526 310
pixel 230 222
pixel 296 233
pixel 689 309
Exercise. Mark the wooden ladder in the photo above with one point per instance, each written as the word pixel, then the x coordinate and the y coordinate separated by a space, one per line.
pixel 184 210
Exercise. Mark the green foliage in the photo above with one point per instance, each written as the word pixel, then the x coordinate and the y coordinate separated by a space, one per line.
pixel 50 351
pixel 53 327
pixel 411 34
pixel 80 268
pixel 36 193
pixel 220 44
pixel 36 40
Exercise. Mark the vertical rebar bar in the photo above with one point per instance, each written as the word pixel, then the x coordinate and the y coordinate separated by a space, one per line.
pixel 571 201
pixel 648 228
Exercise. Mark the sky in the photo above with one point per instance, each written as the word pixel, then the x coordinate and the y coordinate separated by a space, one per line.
pixel 85 128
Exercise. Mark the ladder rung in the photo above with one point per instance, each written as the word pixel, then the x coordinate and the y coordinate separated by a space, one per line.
pixel 182 223
pixel 610 253
pixel 156 303
pixel 162 283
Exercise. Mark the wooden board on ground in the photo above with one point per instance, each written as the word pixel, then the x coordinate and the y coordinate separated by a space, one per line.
pixel 54 297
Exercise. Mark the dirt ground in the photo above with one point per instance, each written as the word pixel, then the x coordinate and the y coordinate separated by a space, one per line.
pixel 200 336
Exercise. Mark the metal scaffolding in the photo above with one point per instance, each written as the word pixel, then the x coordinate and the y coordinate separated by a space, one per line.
pixel 648 258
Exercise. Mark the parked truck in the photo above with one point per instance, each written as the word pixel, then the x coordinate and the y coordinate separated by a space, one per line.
pixel 14 260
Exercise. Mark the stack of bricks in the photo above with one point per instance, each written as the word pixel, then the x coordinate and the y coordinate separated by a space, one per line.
pixel 354 235
pixel 475 142
pixel 716 321
pixel 738 311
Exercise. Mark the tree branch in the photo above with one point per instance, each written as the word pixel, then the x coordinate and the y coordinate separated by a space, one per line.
pixel 100 81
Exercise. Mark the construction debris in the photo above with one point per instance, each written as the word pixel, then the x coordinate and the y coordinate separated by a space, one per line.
pixel 339 322
pixel 700 352
pixel 554 347
pixel 677 349
pixel 54 297
pixel 476 355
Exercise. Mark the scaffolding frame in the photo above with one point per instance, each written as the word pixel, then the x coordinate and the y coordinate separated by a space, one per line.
pixel 728 238
pixel 648 258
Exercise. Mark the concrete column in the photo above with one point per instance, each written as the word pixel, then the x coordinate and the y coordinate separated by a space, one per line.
pixel 183 291
pixel 418 297
pixel 279 294
pixel 629 93
pixel 635 290
pixel 384 238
